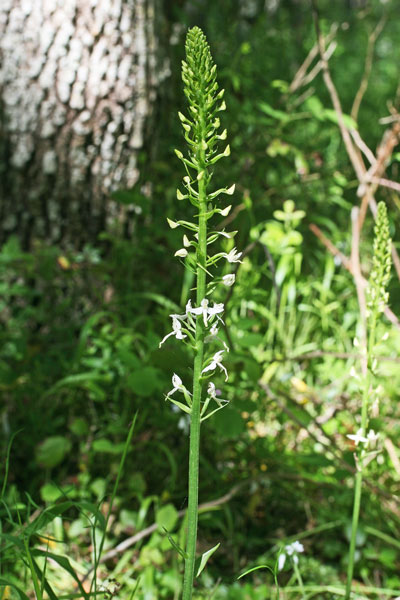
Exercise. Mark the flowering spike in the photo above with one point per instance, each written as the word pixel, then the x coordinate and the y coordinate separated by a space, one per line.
pixel 381 263
pixel 199 323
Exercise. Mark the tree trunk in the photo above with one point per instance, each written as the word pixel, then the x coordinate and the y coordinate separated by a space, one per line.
pixel 77 83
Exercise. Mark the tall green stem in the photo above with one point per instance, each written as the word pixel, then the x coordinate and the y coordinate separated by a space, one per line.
pixel 359 464
pixel 193 490
pixel 377 299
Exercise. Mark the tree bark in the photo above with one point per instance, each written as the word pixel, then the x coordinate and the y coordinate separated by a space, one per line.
pixel 77 83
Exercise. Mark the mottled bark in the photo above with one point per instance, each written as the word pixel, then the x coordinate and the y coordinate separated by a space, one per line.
pixel 77 82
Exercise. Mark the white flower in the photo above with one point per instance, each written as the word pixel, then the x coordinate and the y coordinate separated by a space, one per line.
pixel 205 310
pixel 212 392
pixel 358 437
pixel 216 310
pixel 228 280
pixel 182 253
pixel 214 330
pixel 172 224
pixel 177 383
pixel 294 548
pixel 176 330
pixel 216 362
pixel 372 437
pixel 290 550
pixel 281 561
pixel 233 256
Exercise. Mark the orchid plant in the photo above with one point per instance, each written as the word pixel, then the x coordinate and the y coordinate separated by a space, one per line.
pixel 365 440
pixel 198 326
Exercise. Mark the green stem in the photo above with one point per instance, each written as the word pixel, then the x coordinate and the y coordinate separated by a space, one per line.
pixel 359 464
pixel 299 579
pixel 193 491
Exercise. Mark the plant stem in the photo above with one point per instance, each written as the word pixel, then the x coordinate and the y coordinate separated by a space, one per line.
pixel 359 463
pixel 193 491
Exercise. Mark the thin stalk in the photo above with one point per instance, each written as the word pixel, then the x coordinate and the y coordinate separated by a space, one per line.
pixel 299 579
pixel 377 299
pixel 359 464
pixel 194 450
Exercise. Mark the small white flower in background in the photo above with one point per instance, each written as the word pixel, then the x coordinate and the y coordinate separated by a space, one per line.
pixel 216 362
pixel 372 437
pixel 358 437
pixel 214 330
pixel 228 280
pixel 184 423
pixel 233 256
pixel 178 385
pixel 291 550
pixel 176 330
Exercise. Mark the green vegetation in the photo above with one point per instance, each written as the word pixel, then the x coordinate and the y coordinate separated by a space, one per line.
pixel 299 461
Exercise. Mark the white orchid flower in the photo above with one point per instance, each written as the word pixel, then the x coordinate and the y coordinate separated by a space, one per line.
pixel 178 386
pixel 212 392
pixel 229 279
pixel 372 437
pixel 182 253
pixel 176 330
pixel 358 437
pixel 177 383
pixel 233 256
pixel 205 310
pixel 214 330
pixel 290 550
pixel 216 362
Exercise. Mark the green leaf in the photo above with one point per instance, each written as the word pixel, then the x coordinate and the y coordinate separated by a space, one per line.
pixel 331 115
pixel 175 545
pixel 228 423
pixel 65 564
pixel 167 516
pixel 144 381
pixel 51 451
pixel 183 407
pixel 21 594
pixel 272 112
pixel 204 558
pixel 79 427
pixel 107 447
pixel 256 569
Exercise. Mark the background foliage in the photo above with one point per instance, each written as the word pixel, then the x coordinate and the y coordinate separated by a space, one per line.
pixel 80 330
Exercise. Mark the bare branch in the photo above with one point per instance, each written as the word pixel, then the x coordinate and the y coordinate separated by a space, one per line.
pixel 367 68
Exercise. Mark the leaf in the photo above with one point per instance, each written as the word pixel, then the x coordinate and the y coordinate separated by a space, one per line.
pixel 272 112
pixel 65 564
pixel 331 115
pixel 229 423
pixel 256 569
pixel 52 451
pixel 17 589
pixel 167 516
pixel 205 556
pixel 107 447
pixel 183 407
pixel 144 381
pixel 175 545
